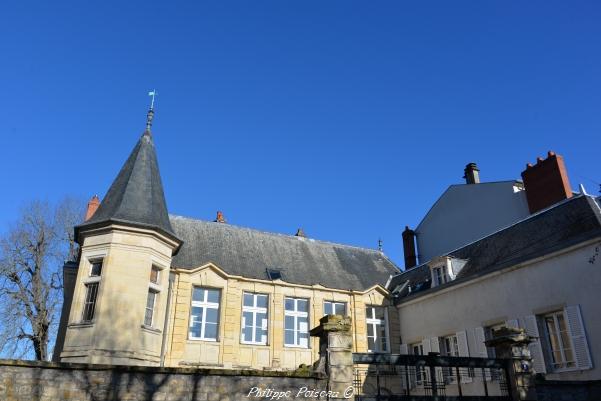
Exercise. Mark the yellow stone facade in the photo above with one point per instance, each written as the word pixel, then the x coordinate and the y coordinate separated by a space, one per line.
pixel 228 351
pixel 116 334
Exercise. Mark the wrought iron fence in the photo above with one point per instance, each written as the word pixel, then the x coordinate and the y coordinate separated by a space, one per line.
pixel 380 377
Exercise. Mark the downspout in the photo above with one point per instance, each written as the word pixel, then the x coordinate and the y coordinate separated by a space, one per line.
pixel 166 324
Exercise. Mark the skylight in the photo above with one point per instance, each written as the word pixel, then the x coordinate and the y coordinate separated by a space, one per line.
pixel 274 274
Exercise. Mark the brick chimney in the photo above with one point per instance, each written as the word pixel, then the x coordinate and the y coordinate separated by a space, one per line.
pixel 546 182
pixel 220 218
pixel 409 248
pixel 471 174
pixel 93 205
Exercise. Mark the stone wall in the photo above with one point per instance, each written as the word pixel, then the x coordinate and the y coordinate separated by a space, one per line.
pixel 44 381
pixel 553 390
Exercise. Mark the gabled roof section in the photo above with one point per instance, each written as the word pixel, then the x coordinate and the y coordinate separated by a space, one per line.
pixel 565 224
pixel 252 253
pixel 136 196
pixel 461 187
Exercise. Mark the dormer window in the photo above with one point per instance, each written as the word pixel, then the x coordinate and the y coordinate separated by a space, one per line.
pixel 439 275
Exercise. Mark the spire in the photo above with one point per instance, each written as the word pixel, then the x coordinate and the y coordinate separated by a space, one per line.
pixel 136 196
pixel 149 117
pixel 150 114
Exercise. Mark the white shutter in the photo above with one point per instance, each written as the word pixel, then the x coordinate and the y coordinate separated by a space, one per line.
pixel 513 323
pixel 481 349
pixel 463 351
pixel 435 344
pixel 404 349
pixel 576 327
pixel 536 351
pixel 426 346
pixel 462 343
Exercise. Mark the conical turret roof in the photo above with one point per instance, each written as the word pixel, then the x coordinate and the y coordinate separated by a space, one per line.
pixel 136 196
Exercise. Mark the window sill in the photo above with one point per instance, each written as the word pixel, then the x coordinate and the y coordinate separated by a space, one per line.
pixel 206 340
pixel 295 346
pixel 150 329
pixel 564 370
pixel 80 325
pixel 254 344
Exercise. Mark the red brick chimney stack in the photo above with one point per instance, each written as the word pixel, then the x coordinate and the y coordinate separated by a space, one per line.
pixel 409 248
pixel 220 218
pixel 93 205
pixel 546 182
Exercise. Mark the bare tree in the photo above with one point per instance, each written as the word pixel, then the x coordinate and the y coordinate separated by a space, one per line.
pixel 32 253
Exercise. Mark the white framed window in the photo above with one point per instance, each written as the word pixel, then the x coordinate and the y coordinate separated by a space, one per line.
pixel 91 286
pixel 450 345
pixel 296 322
pixel 439 275
pixel 420 372
pixel 254 319
pixel 204 314
pixel 377 329
pixel 154 289
pixel 489 334
pixel 559 341
pixel 89 305
pixel 150 307
pixel 96 267
pixel 334 308
pixel 155 274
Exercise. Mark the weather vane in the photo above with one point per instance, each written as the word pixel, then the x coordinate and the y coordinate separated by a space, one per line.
pixel 152 94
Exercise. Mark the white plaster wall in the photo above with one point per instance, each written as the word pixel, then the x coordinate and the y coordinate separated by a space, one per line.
pixel 543 286
pixel 486 206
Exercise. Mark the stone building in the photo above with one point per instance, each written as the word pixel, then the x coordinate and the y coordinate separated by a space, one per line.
pixel 150 288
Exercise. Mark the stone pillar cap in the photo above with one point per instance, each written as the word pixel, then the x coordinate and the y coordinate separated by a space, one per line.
pixel 330 323
pixel 509 335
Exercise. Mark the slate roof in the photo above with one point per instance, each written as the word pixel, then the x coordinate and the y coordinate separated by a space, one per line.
pixel 136 196
pixel 249 253
pixel 568 223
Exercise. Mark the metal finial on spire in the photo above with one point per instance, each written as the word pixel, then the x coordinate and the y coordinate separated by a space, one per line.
pixel 152 94
pixel 150 114
pixel 380 248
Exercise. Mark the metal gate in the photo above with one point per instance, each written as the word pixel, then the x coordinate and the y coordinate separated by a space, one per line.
pixel 387 377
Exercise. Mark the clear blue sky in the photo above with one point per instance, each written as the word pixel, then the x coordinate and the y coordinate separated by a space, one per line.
pixel 346 118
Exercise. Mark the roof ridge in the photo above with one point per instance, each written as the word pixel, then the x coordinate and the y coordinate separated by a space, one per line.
pixel 313 240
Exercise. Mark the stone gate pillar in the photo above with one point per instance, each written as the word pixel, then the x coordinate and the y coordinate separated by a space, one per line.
pixel 336 354
pixel 512 344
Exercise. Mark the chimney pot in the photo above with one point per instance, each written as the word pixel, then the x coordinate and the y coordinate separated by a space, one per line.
pixel 409 248
pixel 471 174
pixel 546 183
pixel 93 205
